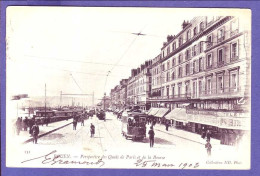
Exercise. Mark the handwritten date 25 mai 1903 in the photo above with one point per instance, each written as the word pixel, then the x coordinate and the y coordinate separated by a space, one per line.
pixel 156 164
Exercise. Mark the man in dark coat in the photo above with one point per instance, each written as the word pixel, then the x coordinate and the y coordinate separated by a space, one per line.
pixel 25 121
pixel 35 132
pixel 30 124
pixel 18 125
pixel 151 136
pixel 47 120
pixel 166 126
pixel 92 130
pixel 208 147
pixel 75 121
pixel 208 135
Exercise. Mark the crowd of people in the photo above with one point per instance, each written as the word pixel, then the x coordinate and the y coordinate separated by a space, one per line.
pixel 24 124
pixel 28 124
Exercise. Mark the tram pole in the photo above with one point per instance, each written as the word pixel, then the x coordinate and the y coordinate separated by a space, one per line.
pixel 45 100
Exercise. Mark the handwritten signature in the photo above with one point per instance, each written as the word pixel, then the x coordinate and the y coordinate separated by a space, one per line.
pixel 52 158
pixel 155 163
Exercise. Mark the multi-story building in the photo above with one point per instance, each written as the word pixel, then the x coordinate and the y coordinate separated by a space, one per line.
pixel 205 67
pixel 118 95
pixel 139 86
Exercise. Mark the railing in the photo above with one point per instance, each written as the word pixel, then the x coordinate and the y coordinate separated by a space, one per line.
pixel 221 39
pixel 221 63
pixel 234 32
pixel 220 92
pixel 209 66
pixel 172 97
pixel 209 44
pixel 234 58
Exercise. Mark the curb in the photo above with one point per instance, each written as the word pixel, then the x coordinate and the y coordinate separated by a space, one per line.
pixel 31 139
pixel 181 137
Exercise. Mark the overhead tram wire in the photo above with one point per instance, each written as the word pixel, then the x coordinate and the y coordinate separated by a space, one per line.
pixel 76 83
pixel 65 70
pixel 137 34
pixel 70 60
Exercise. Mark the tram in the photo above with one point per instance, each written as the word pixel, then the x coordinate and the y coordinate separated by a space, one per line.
pixel 101 115
pixel 54 116
pixel 133 125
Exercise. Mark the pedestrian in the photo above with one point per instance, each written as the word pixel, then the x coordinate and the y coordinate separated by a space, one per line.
pixel 47 120
pixel 25 126
pixel 154 122
pixel 74 123
pixel 208 135
pixel 18 125
pixel 82 120
pixel 35 132
pixel 22 123
pixel 208 147
pixel 203 133
pixel 151 136
pixel 92 130
pixel 166 126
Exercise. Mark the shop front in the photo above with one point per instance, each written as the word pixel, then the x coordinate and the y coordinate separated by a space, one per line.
pixel 160 114
pixel 228 130
pixel 178 118
pixel 151 114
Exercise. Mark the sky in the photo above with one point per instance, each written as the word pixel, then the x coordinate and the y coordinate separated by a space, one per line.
pixel 72 49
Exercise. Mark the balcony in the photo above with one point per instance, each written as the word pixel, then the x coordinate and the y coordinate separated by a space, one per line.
pixel 221 63
pixel 233 57
pixel 221 93
pixel 209 66
pixel 221 39
pixel 172 97
pixel 234 32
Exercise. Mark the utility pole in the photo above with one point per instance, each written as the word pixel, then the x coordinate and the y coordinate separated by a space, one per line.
pixel 60 99
pixel 93 99
pixel 45 100
pixel 104 100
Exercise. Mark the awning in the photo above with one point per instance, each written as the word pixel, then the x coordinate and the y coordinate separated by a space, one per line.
pixel 221 122
pixel 161 112
pixel 149 111
pixel 178 114
pixel 153 111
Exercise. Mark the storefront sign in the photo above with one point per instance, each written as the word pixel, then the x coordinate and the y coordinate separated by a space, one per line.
pixel 221 122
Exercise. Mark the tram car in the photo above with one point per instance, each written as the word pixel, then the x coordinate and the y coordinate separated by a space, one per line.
pixel 42 116
pixel 133 125
pixel 101 115
pixel 91 112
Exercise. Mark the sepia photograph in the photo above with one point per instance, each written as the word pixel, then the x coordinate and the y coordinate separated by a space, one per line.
pixel 128 88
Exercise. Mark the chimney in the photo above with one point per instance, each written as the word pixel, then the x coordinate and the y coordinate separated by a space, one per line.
pixel 169 37
pixel 142 66
pixel 184 24
pixel 138 70
pixel 133 72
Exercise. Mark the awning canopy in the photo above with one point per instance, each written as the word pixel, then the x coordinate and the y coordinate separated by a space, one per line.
pixel 162 112
pixel 153 111
pixel 221 122
pixel 178 114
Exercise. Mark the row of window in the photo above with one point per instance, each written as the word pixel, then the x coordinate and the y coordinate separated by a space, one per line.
pixel 195 30
pixel 220 56
pixel 198 49
pixel 197 65
pixel 204 88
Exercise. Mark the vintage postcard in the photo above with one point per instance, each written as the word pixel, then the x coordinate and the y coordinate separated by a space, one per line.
pixel 138 88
